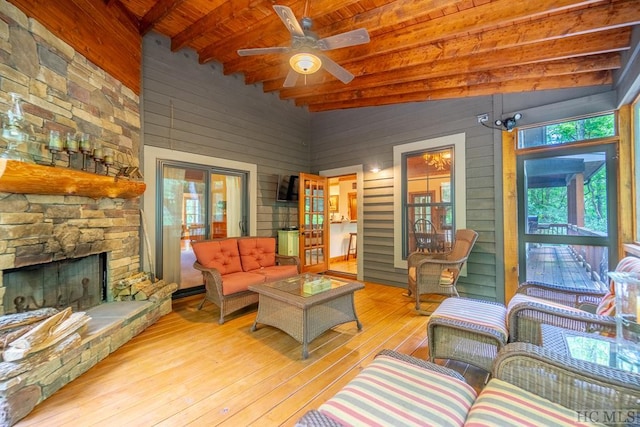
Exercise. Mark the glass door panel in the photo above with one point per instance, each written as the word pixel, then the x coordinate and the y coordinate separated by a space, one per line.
pixel 197 203
pixel 183 220
pixel 313 212
pixel 567 219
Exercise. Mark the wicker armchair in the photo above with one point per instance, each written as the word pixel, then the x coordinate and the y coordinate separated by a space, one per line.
pixel 437 273
pixel 426 236
pixel 575 384
pixel 538 303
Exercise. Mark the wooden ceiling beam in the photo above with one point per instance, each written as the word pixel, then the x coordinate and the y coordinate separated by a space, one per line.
pixel 582 45
pixel 271 32
pixel 217 18
pixel 405 14
pixel 597 18
pixel 525 85
pixel 159 10
pixel 543 70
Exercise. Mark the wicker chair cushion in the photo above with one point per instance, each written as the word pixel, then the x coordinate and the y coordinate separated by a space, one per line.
pixel 474 311
pixel 446 277
pixel 503 404
pixel 393 392
pixel 222 255
pixel 240 281
pixel 257 252
pixel 522 298
pixel 607 306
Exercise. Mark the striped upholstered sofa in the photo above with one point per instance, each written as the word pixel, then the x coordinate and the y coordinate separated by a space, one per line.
pixel 399 390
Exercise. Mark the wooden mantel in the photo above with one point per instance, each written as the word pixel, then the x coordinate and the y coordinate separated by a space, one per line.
pixel 25 178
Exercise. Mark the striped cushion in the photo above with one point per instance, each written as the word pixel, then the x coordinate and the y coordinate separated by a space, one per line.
pixel 520 298
pixel 478 312
pixel 503 404
pixel 391 392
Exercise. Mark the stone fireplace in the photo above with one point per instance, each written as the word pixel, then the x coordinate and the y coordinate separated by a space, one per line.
pixel 55 248
pixel 64 216
pixel 78 283
pixel 40 229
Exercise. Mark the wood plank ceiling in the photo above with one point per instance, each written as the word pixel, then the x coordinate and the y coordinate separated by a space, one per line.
pixel 419 50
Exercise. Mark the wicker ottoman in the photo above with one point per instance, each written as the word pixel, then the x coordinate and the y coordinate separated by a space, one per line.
pixel 467 330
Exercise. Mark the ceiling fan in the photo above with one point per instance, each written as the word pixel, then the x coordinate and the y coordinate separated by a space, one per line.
pixel 306 48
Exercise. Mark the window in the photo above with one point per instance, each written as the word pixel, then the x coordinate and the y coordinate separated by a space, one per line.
pixel 429 185
pixel 568 132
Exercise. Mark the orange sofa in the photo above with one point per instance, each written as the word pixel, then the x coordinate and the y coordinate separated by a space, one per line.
pixel 229 266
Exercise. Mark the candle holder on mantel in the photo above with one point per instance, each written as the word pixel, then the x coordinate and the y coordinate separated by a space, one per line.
pixel 108 159
pixel 85 149
pixel 55 145
pixel 98 156
pixel 14 132
pixel 71 147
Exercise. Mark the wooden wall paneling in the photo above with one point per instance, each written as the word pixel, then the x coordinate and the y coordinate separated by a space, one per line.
pixel 367 136
pixel 194 108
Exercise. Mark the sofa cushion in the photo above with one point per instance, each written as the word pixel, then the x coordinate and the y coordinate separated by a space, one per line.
pixel 277 272
pixel 503 404
pixel 222 255
pixel 256 252
pixel 394 392
pixel 240 281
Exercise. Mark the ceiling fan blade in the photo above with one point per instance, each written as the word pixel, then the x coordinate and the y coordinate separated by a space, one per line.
pixel 338 72
pixel 289 19
pixel 291 79
pixel 350 38
pixel 263 51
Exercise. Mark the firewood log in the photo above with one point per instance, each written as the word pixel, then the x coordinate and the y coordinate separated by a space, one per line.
pixel 48 333
pixel 163 292
pixel 10 321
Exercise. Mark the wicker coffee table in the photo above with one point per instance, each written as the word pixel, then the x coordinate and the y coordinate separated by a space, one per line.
pixel 283 305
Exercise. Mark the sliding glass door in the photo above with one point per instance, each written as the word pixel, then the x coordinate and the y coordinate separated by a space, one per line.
pixel 197 202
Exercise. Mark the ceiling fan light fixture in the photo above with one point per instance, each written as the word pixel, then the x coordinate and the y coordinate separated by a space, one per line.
pixel 305 62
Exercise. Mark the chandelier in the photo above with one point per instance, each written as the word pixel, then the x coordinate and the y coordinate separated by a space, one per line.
pixel 438 160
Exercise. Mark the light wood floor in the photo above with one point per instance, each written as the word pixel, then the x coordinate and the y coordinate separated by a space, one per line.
pixel 188 370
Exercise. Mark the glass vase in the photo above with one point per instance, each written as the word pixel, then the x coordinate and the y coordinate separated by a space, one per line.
pixel 627 291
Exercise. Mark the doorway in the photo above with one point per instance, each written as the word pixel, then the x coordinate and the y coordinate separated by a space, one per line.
pixel 343 224
pixel 197 202
pixel 566 216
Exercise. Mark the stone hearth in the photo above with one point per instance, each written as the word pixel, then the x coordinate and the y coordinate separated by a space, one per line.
pixel 23 385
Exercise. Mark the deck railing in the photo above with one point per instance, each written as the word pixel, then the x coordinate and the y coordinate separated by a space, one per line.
pixel 594 259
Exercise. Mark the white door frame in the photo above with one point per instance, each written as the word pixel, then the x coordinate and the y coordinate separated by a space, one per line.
pixel 358 170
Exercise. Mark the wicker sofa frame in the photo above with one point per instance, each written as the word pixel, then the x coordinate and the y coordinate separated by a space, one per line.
pixel 214 281
pixel 525 318
pixel 579 315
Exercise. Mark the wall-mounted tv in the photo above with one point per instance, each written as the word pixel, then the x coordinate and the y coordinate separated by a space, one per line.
pixel 287 188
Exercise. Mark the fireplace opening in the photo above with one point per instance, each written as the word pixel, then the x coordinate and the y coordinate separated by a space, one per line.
pixel 79 283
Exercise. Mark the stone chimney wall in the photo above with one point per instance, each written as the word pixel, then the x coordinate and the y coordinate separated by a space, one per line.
pixel 63 91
